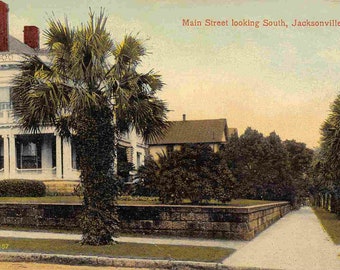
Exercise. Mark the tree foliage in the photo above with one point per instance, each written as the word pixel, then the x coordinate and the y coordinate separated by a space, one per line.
pixel 327 165
pixel 330 138
pixel 301 162
pixel 321 176
pixel 90 83
pixel 195 172
pixel 247 155
pixel 267 168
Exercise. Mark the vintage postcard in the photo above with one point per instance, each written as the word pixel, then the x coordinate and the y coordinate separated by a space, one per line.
pixel 215 111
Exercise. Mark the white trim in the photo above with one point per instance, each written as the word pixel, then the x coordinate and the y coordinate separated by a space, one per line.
pixel 36 169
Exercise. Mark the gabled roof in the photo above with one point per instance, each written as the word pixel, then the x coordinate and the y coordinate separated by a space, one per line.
pixel 194 131
pixel 16 46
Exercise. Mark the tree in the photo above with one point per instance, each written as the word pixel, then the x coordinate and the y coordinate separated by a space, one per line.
pixel 300 162
pixel 267 168
pixel 91 91
pixel 330 149
pixel 321 178
pixel 278 178
pixel 330 138
pixel 247 157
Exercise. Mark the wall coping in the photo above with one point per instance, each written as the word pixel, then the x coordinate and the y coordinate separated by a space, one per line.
pixel 234 209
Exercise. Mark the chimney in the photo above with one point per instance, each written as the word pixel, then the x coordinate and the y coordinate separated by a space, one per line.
pixel 31 36
pixel 184 117
pixel 3 27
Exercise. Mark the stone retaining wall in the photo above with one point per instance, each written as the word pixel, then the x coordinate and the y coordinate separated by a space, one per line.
pixel 226 222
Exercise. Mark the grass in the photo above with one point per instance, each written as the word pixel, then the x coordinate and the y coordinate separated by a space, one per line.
pixel 41 229
pixel 330 222
pixel 125 250
pixel 122 200
pixel 47 199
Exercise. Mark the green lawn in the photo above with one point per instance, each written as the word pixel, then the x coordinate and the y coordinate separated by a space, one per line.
pixel 41 229
pixel 330 222
pixel 47 199
pixel 123 200
pixel 126 250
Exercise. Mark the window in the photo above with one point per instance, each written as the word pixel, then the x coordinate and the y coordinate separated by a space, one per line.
pixel 54 152
pixel 28 150
pixel 75 157
pixel 8 66
pixel 122 155
pixel 124 166
pixel 5 103
pixel 1 153
pixel 139 159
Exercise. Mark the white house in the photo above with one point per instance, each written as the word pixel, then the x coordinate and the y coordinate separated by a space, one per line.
pixel 43 156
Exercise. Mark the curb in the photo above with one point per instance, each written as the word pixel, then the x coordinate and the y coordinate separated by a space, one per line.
pixel 115 262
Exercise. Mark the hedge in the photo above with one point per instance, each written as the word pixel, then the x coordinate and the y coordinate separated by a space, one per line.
pixel 22 188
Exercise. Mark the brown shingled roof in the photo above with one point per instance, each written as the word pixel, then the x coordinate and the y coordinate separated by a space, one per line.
pixel 195 131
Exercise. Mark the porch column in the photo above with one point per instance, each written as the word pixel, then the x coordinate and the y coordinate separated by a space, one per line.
pixel 59 157
pixel 6 156
pixel 12 157
pixel 67 157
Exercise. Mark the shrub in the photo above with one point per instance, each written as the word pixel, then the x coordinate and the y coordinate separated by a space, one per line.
pixel 195 173
pixel 144 189
pixel 78 190
pixel 145 186
pixel 22 188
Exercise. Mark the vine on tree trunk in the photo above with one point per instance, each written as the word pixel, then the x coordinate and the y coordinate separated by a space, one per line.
pixel 94 139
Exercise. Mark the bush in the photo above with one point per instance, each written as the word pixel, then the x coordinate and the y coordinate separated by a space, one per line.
pixel 195 173
pixel 78 190
pixel 143 189
pixel 22 188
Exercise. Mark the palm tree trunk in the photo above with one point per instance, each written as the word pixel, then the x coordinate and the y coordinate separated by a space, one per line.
pixel 95 139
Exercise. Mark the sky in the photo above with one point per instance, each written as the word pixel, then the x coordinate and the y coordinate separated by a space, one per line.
pixel 271 78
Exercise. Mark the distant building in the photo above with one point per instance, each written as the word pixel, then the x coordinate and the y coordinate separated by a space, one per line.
pixel 213 132
pixel 43 156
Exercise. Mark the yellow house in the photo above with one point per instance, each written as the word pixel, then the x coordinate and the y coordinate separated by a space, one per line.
pixel 214 132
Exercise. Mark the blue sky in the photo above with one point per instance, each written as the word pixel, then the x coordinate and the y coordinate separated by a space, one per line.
pixel 272 79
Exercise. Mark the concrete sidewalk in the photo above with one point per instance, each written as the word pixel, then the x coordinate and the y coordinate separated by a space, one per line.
pixel 297 241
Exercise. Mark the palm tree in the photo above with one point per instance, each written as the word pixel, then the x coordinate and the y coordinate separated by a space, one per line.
pixel 90 90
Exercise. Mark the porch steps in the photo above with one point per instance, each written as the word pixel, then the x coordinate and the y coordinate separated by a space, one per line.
pixel 60 187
